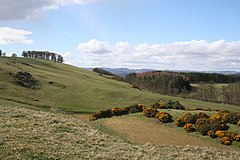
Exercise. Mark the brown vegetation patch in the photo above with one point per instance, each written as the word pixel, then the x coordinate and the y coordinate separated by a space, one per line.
pixel 25 79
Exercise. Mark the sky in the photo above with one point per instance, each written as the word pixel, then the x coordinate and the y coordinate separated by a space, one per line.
pixel 200 35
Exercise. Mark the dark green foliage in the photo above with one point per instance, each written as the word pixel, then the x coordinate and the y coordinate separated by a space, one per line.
pixel 202 126
pixel 190 118
pixel 135 108
pixel 212 134
pixel 218 126
pixel 196 77
pixel 164 117
pixel 43 55
pixel 150 112
pixel 189 127
pixel 107 113
pixel 174 105
pixel 168 105
pixel 202 115
pixel 161 82
pixel 233 117
pixel 180 122
pixel 119 111
pixel 25 79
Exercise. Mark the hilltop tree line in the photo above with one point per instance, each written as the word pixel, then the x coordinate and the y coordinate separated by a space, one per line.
pixel 38 54
pixel 43 55
pixel 160 82
pixel 228 93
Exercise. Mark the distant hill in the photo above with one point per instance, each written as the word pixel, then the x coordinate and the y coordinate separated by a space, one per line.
pixel 125 71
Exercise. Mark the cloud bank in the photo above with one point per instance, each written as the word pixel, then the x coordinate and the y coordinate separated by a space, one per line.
pixel 11 36
pixel 190 55
pixel 22 9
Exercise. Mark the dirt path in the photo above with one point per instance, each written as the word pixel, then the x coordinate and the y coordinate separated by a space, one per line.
pixel 150 131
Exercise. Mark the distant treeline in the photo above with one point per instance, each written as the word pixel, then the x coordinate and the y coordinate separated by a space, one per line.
pixel 227 93
pixel 43 55
pixel 167 83
pixel 196 77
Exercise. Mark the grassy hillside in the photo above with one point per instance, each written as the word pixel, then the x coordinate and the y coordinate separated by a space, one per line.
pixel 67 88
pixel 28 134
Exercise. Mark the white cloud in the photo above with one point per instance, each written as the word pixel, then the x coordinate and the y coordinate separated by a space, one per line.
pixel 22 9
pixel 10 36
pixel 191 55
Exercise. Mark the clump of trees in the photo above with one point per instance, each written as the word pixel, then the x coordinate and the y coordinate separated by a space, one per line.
pixel 167 83
pixel 43 55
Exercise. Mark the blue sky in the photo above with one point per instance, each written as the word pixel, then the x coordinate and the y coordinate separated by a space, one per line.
pixel 159 34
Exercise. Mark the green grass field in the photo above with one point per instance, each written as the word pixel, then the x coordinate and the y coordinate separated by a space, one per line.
pixel 75 89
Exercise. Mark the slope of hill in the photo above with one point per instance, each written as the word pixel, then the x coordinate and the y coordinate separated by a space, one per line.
pixel 29 134
pixel 66 88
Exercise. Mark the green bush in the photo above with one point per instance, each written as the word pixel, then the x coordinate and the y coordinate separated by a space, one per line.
pixel 107 113
pixel 233 117
pixel 164 117
pixel 203 126
pixel 190 118
pixel 180 122
pixel 150 112
pixel 119 111
pixel 189 127
pixel 135 108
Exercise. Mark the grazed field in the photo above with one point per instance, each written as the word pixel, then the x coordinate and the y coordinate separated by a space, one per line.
pixel 146 130
pixel 30 134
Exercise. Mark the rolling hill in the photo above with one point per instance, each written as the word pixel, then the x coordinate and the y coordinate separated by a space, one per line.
pixel 34 123
pixel 67 88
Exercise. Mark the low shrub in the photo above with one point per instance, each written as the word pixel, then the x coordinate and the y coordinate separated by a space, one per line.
pixel 189 127
pixel 107 113
pixel 159 105
pixel 180 122
pixel 212 134
pixel 135 108
pixel 238 123
pixel 226 141
pixel 237 138
pixel 233 117
pixel 220 133
pixel 229 134
pixel 190 118
pixel 218 118
pixel 168 105
pixel 150 112
pixel 25 79
pixel 119 111
pixel 203 126
pixel 164 117
pixel 202 115
pixel 178 105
